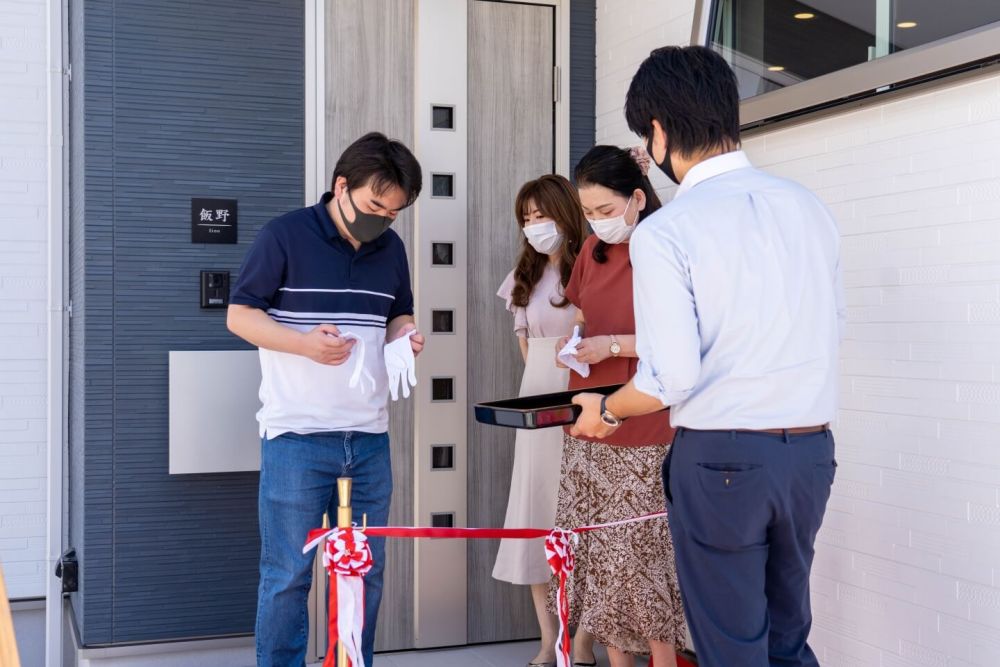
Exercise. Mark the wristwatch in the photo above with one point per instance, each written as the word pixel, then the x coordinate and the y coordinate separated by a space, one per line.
pixel 616 348
pixel 607 417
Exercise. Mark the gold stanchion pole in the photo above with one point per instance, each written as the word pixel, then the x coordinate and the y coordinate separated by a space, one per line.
pixel 344 517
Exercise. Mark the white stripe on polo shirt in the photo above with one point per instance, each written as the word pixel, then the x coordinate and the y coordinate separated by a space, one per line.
pixel 325 316
pixel 335 291
pixel 309 324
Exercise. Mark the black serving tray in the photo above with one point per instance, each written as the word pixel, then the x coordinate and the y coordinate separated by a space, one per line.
pixel 541 411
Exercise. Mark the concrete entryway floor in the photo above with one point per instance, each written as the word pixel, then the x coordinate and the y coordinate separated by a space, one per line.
pixel 512 654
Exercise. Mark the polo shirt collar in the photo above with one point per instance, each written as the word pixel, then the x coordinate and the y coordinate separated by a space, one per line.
pixel 329 227
pixel 712 167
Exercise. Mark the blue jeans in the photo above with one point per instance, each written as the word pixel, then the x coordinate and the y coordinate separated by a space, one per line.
pixel 298 482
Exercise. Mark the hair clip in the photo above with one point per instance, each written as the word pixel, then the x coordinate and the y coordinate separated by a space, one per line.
pixel 641 158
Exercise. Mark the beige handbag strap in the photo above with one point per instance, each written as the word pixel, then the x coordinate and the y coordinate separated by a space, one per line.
pixel 8 645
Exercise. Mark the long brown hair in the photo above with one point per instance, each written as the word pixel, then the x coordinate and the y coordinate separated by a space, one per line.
pixel 556 198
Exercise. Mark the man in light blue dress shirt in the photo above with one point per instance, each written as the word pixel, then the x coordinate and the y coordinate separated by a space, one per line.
pixel 738 317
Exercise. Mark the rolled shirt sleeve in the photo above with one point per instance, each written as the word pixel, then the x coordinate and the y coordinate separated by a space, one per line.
pixel 666 323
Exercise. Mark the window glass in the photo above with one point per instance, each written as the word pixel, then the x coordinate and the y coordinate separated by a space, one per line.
pixel 776 43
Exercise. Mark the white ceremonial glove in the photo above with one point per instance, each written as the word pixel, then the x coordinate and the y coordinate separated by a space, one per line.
pixel 401 365
pixel 567 355
pixel 359 372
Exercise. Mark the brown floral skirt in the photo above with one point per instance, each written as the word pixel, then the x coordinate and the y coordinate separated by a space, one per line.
pixel 623 589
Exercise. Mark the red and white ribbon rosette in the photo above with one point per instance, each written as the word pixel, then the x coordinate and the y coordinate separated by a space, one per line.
pixel 559 554
pixel 348 558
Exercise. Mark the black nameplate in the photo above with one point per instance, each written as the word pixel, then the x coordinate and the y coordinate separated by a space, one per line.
pixel 213 220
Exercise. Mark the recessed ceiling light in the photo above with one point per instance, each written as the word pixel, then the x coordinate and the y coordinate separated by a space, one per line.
pixel 906 24
pixel 775 68
pixel 805 16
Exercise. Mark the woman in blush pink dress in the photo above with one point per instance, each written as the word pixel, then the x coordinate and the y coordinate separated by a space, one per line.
pixel 549 214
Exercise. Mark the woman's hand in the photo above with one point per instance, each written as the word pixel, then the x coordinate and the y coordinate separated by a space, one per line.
pixel 594 350
pixel 560 344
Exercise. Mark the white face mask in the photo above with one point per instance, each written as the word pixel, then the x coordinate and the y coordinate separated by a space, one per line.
pixel 544 236
pixel 613 230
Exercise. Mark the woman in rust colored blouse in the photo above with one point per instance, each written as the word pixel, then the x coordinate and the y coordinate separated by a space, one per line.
pixel 624 588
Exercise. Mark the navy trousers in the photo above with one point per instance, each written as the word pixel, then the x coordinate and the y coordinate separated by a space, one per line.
pixel 744 512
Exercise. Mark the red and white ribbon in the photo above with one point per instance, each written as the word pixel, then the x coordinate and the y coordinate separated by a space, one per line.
pixel 348 558
pixel 623 522
pixel 559 554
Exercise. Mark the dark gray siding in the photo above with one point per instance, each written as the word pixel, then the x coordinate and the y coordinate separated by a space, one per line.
pixel 91 359
pixel 77 266
pixel 582 74
pixel 179 100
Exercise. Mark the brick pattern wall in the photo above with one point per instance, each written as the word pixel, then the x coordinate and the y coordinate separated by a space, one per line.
pixel 627 30
pixel 22 295
pixel 908 567
pixel 908 563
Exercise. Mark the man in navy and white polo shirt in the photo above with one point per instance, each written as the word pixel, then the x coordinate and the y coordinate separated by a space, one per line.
pixel 321 290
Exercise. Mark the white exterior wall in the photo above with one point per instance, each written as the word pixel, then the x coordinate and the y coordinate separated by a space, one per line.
pixel 22 295
pixel 908 562
pixel 627 30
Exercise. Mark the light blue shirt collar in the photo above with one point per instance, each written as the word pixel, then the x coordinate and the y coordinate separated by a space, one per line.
pixel 712 167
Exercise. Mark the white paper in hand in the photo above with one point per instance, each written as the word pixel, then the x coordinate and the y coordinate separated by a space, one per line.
pixel 401 365
pixel 567 355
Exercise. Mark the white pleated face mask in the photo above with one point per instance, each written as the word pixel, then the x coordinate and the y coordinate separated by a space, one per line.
pixel 613 230
pixel 544 237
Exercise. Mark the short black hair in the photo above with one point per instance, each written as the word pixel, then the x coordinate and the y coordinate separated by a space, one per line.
pixel 692 92
pixel 382 163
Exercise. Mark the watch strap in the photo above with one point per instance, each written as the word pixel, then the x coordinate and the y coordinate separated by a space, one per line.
pixel 607 417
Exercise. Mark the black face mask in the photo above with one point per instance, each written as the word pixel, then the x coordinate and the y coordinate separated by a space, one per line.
pixel 366 226
pixel 666 167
